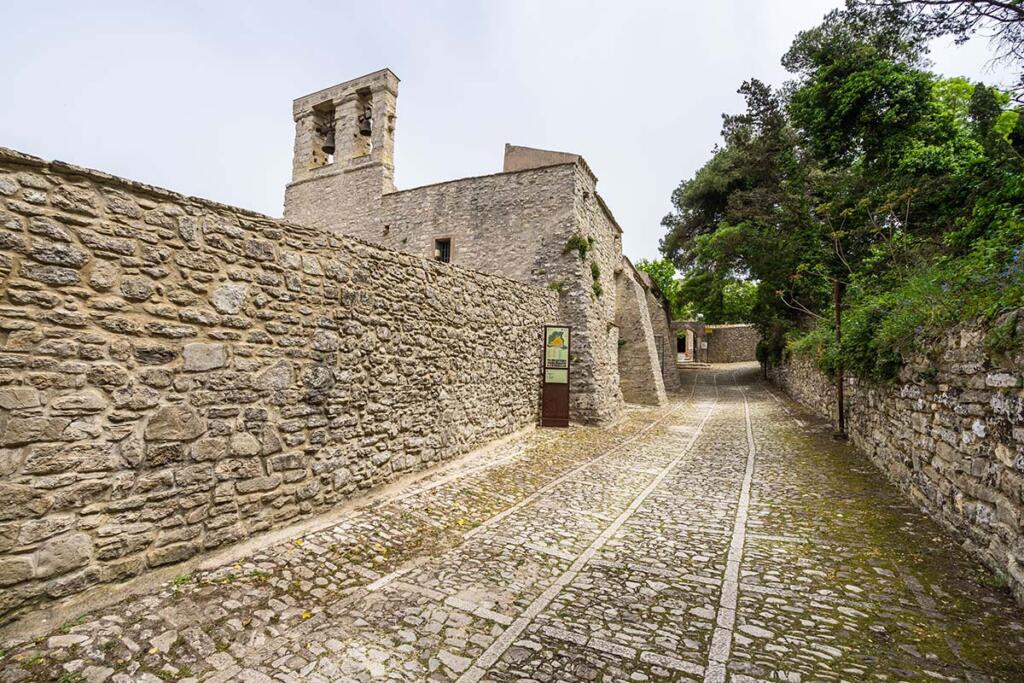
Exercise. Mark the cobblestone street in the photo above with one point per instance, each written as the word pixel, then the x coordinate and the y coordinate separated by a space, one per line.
pixel 724 537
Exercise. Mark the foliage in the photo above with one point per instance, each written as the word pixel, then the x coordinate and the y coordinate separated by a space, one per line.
pixel 663 272
pixel 579 244
pixel 1001 21
pixel 867 170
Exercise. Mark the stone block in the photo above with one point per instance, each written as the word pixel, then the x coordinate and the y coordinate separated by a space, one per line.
pixel 63 554
pixel 259 484
pixel 56 276
pixel 244 443
pixel 14 398
pixel 79 403
pixel 16 569
pixel 22 430
pixel 229 299
pixel 200 356
pixel 58 254
pixel 1002 380
pixel 170 554
pixel 174 423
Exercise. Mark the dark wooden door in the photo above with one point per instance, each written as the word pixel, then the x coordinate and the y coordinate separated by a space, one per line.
pixel 555 408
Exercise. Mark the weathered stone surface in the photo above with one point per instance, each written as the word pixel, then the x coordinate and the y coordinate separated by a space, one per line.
pixel 82 402
pixel 63 554
pixel 279 376
pixel 174 423
pixel 13 398
pixel 943 441
pixel 15 569
pixel 136 288
pixel 103 276
pixel 200 356
pixel 58 254
pixel 21 430
pixel 229 299
pixel 244 443
pixel 160 349
pixel 50 275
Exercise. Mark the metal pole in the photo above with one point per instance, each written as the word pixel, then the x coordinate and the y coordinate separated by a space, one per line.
pixel 837 302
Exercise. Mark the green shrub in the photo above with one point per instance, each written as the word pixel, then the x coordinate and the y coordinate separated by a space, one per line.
pixel 577 243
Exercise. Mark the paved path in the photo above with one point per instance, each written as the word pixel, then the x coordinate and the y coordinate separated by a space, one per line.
pixel 724 537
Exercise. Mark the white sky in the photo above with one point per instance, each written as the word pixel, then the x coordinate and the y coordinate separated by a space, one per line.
pixel 196 96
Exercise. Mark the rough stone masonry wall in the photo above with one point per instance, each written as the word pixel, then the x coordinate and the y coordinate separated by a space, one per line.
pixel 949 433
pixel 509 224
pixel 664 337
pixel 640 374
pixel 176 375
pixel 731 343
pixel 597 394
pixel 517 225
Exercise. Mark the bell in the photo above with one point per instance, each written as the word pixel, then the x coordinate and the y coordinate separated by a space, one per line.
pixel 328 146
pixel 364 123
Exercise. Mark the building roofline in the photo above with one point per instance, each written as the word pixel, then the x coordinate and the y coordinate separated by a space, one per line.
pixel 607 211
pixel 479 177
pixel 348 82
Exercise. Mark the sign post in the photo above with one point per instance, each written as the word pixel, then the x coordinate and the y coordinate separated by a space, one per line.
pixel 555 393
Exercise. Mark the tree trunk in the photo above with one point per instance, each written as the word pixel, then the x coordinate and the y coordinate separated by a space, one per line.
pixel 837 301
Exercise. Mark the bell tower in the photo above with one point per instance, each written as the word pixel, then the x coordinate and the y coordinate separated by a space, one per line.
pixel 343 160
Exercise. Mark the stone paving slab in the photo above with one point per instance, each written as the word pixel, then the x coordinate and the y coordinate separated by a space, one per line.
pixel 723 537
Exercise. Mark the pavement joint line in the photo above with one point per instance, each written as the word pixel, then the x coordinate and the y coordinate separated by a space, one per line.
pixel 383 581
pixel 398 573
pixel 510 634
pixel 552 484
pixel 799 422
pixel 929 607
pixel 721 640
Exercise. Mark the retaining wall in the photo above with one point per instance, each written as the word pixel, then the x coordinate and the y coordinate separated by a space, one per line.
pixel 176 375
pixel 949 432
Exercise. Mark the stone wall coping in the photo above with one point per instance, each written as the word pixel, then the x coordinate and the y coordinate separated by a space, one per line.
pixel 607 211
pixel 64 168
pixel 300 103
pixel 485 176
pixel 119 183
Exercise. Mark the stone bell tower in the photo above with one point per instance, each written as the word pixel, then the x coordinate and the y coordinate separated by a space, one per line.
pixel 344 154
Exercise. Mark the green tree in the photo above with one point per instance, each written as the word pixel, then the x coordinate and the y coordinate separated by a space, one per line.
pixel 663 272
pixel 868 171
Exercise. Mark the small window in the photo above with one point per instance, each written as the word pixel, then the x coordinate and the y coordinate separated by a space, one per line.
pixel 443 250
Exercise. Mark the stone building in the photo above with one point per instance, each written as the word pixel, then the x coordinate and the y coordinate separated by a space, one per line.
pixel 177 375
pixel 540 220
pixel 697 342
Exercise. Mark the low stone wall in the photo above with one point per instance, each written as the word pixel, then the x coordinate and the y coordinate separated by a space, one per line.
pixel 731 343
pixel 176 375
pixel 949 433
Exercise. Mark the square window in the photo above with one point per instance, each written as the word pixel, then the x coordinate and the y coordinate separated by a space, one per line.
pixel 443 250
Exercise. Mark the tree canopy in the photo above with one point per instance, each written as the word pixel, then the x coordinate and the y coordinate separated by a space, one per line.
pixel 866 169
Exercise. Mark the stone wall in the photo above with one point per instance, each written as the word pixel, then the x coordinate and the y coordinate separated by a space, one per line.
pixel 731 343
pixel 510 224
pixel 176 375
pixel 664 336
pixel 640 373
pixel 517 225
pixel 949 433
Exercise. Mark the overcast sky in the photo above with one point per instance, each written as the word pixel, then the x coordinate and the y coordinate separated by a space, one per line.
pixel 196 96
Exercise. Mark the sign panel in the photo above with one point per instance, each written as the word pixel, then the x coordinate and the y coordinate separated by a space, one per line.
pixel 556 376
pixel 556 347
pixel 555 392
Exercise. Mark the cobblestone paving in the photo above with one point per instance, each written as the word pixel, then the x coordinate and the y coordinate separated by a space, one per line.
pixel 721 538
